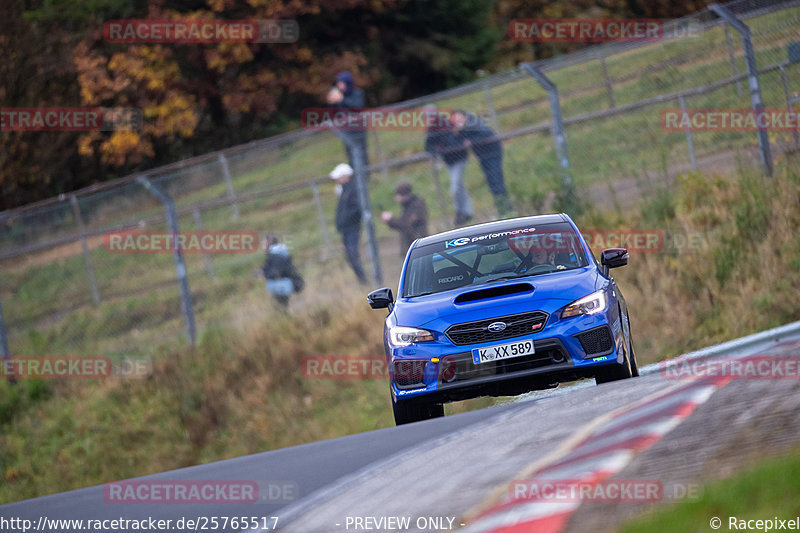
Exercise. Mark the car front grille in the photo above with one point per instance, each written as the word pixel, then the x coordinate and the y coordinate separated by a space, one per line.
pixel 478 331
pixel 460 368
pixel 596 341
pixel 409 373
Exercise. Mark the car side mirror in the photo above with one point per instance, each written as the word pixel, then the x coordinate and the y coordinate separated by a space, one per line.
pixel 614 257
pixel 381 299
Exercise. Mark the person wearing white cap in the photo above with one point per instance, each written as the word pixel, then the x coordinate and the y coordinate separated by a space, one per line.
pixel 348 217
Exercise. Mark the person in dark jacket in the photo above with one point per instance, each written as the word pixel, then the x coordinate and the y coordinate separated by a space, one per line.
pixel 348 217
pixel 281 275
pixel 441 143
pixel 474 133
pixel 346 95
pixel 413 223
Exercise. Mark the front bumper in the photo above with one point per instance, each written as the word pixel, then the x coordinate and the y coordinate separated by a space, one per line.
pixel 560 356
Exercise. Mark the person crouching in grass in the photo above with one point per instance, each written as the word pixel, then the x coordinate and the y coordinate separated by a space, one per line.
pixel 282 277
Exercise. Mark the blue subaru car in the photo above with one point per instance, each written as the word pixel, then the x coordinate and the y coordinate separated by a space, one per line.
pixel 499 309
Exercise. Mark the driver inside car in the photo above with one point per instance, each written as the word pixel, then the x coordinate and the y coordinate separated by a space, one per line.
pixel 544 257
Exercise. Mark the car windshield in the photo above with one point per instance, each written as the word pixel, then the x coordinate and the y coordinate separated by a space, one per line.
pixel 486 257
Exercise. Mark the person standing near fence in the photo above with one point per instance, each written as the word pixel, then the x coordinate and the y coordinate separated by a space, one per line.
pixel 347 96
pixel 441 143
pixel 474 133
pixel 413 223
pixel 348 217
pixel 282 277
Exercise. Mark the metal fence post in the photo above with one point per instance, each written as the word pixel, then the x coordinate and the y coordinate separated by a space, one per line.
pixel 3 336
pixel 323 226
pixel 177 254
pixel 732 57
pixel 689 140
pixel 752 76
pixel 381 157
pixel 87 260
pixel 490 104
pixel 790 103
pixel 437 183
pixel 359 171
pixel 5 353
pixel 198 221
pixel 226 173
pixel 609 88
pixel 559 134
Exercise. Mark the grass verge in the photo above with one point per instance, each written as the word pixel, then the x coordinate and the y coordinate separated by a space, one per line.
pixel 767 491
pixel 241 389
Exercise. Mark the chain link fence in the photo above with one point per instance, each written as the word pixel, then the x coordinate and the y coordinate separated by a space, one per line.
pixel 62 292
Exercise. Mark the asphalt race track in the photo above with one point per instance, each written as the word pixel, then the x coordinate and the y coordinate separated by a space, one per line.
pixel 455 472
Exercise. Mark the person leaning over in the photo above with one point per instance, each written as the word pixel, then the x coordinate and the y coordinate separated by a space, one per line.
pixel 441 143
pixel 474 133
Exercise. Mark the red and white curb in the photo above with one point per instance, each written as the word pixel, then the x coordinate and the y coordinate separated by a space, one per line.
pixel 600 455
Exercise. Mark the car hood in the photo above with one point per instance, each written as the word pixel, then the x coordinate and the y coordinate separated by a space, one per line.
pixel 550 293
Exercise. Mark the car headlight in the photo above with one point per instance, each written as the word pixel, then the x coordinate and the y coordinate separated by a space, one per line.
pixel 588 305
pixel 403 336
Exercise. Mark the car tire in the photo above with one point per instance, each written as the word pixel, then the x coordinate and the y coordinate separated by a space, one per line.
pixel 628 369
pixel 617 371
pixel 634 363
pixel 408 412
pixel 614 372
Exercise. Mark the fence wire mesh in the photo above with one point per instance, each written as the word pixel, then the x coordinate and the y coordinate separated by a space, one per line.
pixel 63 292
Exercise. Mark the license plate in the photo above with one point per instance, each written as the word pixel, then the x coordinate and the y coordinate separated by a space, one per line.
pixel 502 351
